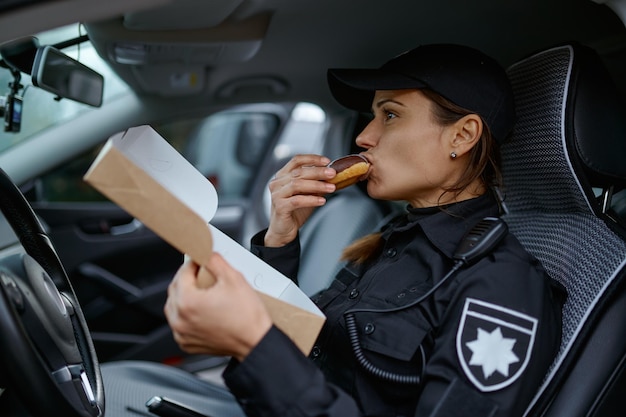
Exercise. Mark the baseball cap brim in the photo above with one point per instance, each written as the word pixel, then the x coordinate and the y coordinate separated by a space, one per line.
pixel 354 88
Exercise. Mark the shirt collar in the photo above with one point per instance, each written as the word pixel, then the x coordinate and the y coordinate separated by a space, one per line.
pixel 445 226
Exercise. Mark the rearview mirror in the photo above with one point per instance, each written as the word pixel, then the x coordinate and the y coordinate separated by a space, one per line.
pixel 62 75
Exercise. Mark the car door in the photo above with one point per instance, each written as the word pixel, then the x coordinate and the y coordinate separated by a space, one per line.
pixel 120 269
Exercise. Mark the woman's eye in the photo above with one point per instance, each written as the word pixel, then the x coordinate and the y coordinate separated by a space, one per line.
pixel 389 115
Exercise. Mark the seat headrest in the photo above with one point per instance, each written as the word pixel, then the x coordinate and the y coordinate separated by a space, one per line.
pixel 596 115
pixel 594 119
pixel 572 122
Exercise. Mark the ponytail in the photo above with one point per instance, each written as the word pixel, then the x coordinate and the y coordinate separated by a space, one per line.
pixel 363 249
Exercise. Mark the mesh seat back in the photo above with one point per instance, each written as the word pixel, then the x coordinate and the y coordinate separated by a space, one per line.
pixel 551 208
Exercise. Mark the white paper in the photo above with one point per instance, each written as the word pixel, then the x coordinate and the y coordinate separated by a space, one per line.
pixel 169 168
pixel 259 274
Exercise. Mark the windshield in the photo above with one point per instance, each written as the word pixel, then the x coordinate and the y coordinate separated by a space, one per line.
pixel 41 109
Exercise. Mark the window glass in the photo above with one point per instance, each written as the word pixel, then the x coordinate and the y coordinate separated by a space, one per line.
pixel 40 108
pixel 227 147
pixel 66 184
pixel 304 132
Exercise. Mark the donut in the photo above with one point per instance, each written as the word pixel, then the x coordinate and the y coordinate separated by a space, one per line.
pixel 350 170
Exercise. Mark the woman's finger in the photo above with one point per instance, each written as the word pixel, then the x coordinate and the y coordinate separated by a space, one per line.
pixel 301 160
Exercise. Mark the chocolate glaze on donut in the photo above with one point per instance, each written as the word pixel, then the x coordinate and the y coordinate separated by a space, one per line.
pixel 350 170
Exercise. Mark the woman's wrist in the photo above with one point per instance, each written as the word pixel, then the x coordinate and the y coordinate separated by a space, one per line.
pixel 273 240
pixel 253 339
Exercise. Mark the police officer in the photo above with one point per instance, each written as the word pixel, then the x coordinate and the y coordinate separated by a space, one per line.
pixel 411 329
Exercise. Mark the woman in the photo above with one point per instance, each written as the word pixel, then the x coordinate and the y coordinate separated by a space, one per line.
pixel 397 341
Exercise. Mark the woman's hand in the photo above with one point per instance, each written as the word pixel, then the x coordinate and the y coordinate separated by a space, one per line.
pixel 226 319
pixel 297 189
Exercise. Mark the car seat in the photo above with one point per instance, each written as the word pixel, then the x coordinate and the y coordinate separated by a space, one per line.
pixel 560 166
pixel 348 215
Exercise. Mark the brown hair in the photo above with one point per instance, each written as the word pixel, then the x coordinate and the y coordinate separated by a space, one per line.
pixel 484 163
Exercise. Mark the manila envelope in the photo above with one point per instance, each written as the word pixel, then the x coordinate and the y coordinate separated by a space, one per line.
pixel 142 173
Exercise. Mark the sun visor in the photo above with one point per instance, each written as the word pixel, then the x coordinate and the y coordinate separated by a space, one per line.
pixel 181 15
pixel 170 79
pixel 206 53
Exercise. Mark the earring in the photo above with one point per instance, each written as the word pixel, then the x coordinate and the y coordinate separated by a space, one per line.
pixel 453 155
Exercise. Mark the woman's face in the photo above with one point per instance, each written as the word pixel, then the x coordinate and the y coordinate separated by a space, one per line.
pixel 408 150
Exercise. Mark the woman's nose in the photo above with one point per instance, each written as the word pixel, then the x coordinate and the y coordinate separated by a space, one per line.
pixel 368 136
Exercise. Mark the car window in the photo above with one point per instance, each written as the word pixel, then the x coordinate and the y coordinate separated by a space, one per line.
pixel 41 109
pixel 227 148
pixel 65 184
pixel 304 132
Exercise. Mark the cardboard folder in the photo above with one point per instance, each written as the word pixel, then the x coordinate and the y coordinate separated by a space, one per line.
pixel 141 172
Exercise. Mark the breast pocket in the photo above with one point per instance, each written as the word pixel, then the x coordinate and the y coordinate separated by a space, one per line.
pixel 392 337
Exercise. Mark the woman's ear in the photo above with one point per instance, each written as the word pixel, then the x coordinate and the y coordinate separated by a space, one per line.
pixel 466 133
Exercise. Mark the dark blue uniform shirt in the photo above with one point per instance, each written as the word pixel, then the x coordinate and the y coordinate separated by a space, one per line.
pixel 480 345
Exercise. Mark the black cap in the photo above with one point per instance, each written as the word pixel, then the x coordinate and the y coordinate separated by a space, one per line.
pixel 463 75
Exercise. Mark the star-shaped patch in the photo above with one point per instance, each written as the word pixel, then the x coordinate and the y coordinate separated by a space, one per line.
pixel 494 344
pixel 493 352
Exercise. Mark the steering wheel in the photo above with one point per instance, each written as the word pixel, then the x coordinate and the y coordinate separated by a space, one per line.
pixel 46 351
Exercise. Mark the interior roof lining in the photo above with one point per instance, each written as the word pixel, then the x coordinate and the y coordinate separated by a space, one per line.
pixel 252 28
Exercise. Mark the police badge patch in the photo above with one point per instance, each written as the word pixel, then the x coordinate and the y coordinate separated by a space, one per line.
pixel 493 344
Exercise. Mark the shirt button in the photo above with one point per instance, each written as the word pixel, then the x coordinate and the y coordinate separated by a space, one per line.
pixel 401 295
pixel 391 252
pixel 354 293
pixel 315 352
pixel 369 328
